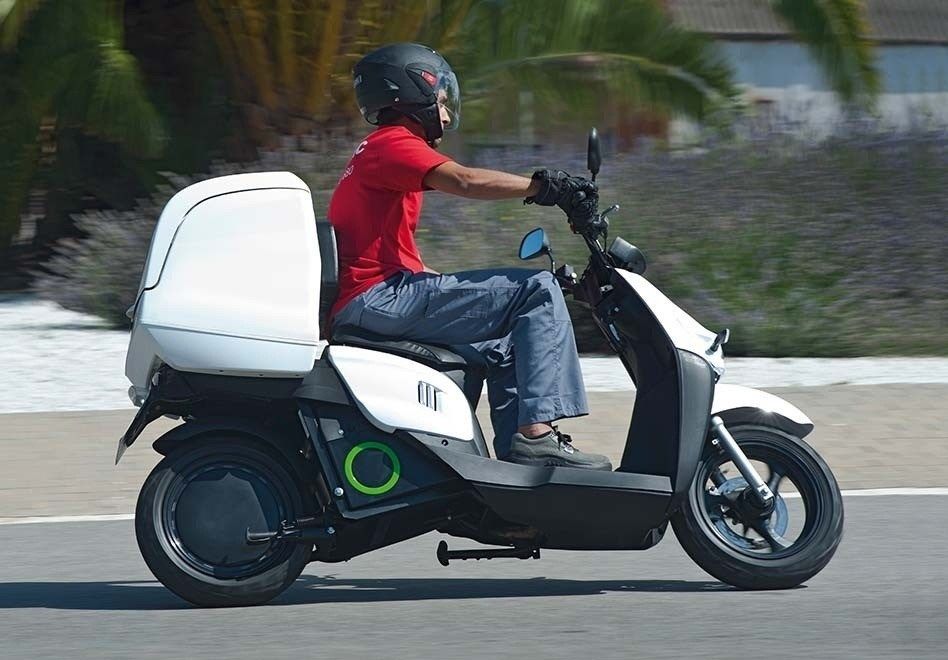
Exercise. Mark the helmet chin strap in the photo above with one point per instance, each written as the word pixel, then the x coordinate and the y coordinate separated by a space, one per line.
pixel 430 119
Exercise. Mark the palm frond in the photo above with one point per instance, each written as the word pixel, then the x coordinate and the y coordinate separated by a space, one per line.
pixel 20 156
pixel 577 54
pixel 70 67
pixel 72 61
pixel 14 15
pixel 117 107
pixel 836 33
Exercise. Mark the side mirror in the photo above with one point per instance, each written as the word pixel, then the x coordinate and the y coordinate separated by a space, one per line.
pixel 534 244
pixel 593 155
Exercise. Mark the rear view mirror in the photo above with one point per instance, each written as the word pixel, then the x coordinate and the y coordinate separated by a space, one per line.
pixel 534 244
pixel 593 155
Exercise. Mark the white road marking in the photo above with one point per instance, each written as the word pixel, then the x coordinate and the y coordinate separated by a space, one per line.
pixel 879 492
pixel 864 492
pixel 67 519
pixel 875 492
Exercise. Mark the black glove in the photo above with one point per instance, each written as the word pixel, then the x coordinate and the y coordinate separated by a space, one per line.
pixel 576 195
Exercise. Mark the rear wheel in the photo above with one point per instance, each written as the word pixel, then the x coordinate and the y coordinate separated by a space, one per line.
pixel 726 533
pixel 194 512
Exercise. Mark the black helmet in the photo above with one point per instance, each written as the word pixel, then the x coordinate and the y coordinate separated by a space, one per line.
pixel 410 79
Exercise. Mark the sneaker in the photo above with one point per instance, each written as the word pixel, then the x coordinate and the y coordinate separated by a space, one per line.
pixel 553 449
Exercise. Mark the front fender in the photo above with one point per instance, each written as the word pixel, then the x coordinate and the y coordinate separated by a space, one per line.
pixel 736 404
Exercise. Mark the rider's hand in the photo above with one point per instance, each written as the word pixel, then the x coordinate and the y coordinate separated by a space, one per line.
pixel 576 195
pixel 584 210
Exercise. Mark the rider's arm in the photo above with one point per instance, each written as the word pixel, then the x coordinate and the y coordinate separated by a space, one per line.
pixel 476 183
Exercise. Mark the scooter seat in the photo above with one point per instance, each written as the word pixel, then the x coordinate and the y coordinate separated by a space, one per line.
pixel 431 354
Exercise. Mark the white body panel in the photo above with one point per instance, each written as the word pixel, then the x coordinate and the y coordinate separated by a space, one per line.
pixel 733 397
pixel 686 333
pixel 386 390
pixel 231 284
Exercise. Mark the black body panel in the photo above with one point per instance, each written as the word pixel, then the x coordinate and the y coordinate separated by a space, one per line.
pixel 697 392
pixel 510 475
pixel 329 275
pixel 570 508
pixel 335 431
pixel 408 467
pixel 674 390
pixel 210 386
pixel 544 506
pixel 582 518
pixel 322 383
pixel 429 354
pixel 207 396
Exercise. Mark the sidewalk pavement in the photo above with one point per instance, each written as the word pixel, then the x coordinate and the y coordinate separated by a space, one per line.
pixel 872 436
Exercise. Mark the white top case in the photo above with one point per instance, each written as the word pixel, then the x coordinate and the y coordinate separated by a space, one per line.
pixel 231 283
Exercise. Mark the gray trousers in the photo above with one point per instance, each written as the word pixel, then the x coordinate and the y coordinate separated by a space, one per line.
pixel 513 321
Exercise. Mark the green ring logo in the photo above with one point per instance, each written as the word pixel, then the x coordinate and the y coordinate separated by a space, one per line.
pixel 372 490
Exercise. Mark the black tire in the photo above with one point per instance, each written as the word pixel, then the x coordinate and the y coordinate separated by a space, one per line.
pixel 191 517
pixel 783 568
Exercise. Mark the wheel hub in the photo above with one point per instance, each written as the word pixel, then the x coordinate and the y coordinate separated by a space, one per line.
pixel 745 509
pixel 214 511
pixel 750 509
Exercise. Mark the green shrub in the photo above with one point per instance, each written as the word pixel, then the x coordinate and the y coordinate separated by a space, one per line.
pixel 837 248
pixel 830 249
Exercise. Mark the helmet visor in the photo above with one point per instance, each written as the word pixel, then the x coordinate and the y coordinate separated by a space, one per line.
pixel 449 97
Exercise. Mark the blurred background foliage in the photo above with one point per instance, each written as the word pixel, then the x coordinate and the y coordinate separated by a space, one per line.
pixel 102 99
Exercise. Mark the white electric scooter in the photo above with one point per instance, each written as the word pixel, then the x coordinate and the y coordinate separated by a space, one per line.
pixel 293 450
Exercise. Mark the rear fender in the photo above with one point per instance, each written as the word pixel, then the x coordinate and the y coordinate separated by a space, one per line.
pixel 190 432
pixel 736 404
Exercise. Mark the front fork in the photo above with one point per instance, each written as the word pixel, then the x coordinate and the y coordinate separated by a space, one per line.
pixel 725 441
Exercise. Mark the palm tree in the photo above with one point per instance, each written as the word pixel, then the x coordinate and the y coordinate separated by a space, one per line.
pixel 836 33
pixel 68 83
pixel 288 61
pixel 582 57
pixel 580 54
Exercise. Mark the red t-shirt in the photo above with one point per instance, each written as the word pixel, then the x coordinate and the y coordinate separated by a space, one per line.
pixel 375 208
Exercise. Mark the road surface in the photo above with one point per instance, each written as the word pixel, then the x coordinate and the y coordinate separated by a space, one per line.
pixel 81 590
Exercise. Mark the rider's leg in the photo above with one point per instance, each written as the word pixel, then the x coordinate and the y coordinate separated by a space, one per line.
pixel 498 357
pixel 535 430
pixel 477 306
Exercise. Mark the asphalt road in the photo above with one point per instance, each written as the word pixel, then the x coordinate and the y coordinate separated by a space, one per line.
pixel 80 590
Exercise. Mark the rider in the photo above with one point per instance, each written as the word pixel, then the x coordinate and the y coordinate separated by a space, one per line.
pixel 514 320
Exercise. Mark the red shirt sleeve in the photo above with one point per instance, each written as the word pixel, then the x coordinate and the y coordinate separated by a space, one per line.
pixel 403 161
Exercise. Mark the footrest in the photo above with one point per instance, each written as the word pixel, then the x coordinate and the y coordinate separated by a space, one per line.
pixel 445 556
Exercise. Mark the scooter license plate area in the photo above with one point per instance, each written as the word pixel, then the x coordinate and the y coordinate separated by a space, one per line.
pixel 145 415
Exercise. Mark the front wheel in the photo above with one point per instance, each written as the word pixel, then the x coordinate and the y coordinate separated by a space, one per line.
pixel 723 530
pixel 196 508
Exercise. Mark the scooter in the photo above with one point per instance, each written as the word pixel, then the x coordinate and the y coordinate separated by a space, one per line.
pixel 294 450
